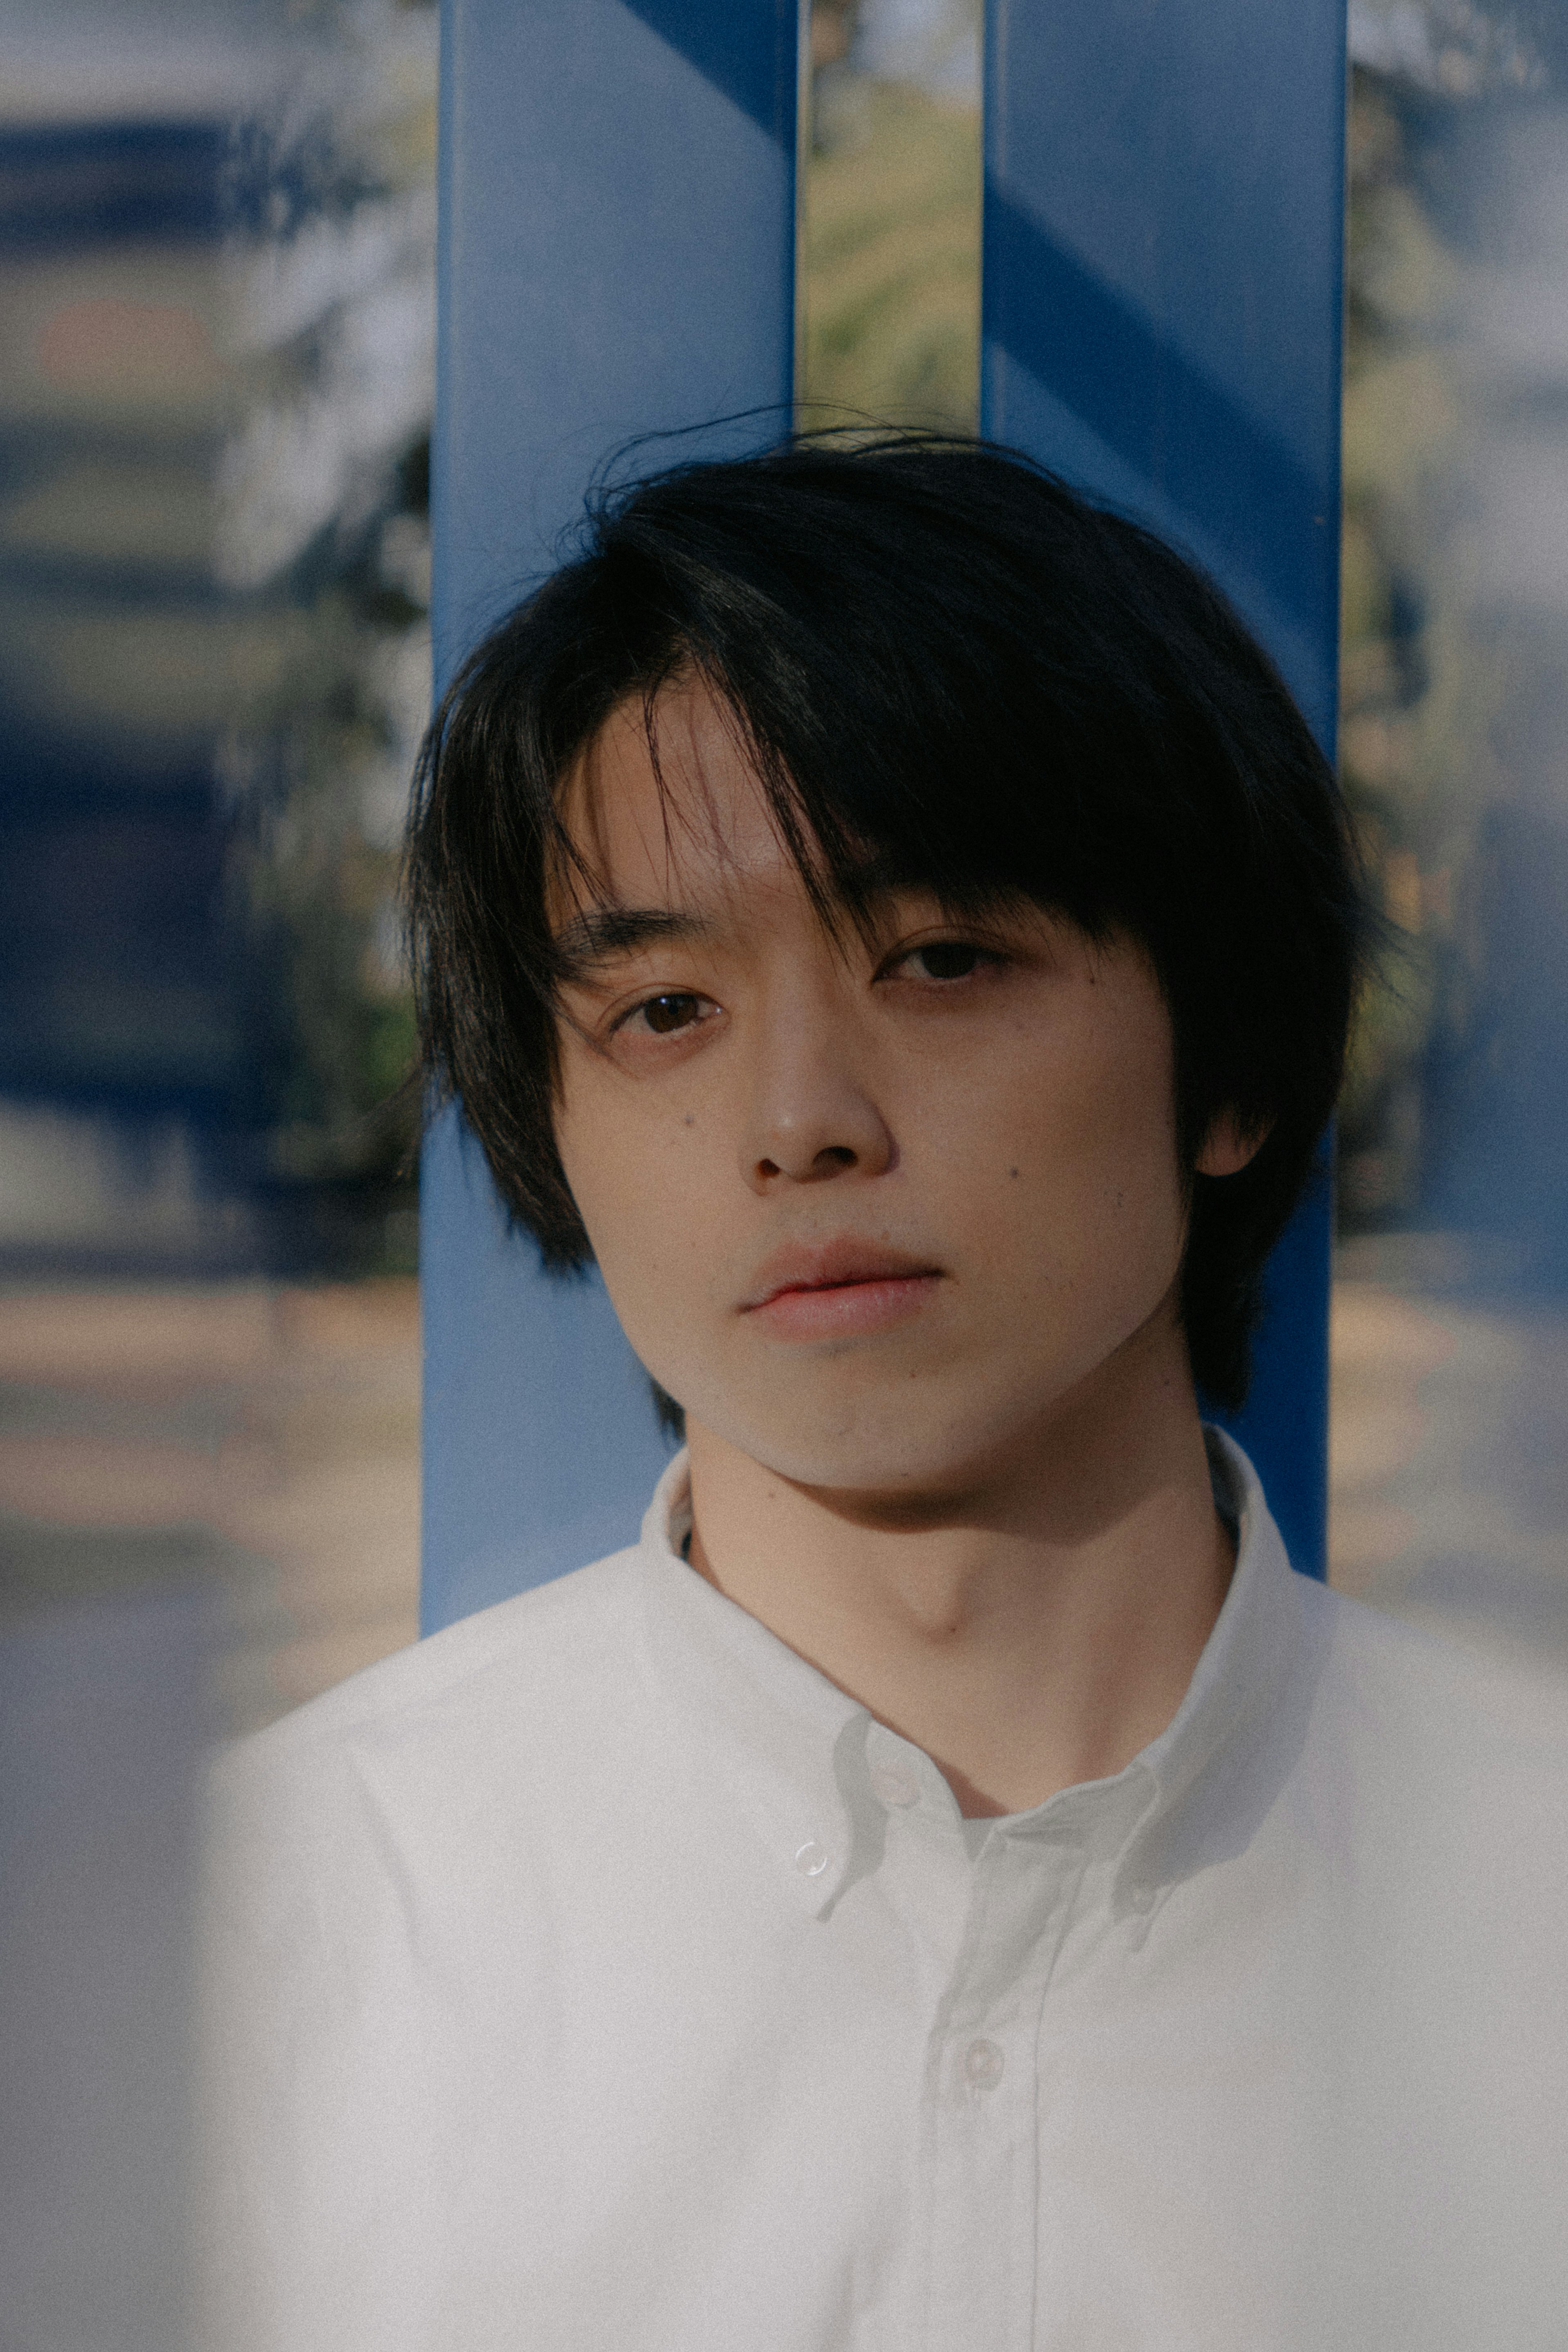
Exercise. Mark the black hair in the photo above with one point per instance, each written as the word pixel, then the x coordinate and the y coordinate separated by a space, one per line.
pixel 941 656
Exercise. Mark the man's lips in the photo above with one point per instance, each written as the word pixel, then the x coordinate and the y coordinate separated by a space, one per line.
pixel 838 1289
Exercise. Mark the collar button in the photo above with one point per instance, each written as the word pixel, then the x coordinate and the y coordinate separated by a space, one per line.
pixel 983 2065
pixel 810 1861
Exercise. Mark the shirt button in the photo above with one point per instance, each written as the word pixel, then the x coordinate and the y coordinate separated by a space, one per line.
pixel 983 2063
pixel 810 1861
pixel 896 1784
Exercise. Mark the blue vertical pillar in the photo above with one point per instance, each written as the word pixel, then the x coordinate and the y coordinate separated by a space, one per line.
pixel 616 259
pixel 1161 321
pixel 1163 242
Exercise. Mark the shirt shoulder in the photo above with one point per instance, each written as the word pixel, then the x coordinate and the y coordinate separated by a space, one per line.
pixel 1437 1675
pixel 527 1670
pixel 1442 1731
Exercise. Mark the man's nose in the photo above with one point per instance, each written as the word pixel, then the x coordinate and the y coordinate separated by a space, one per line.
pixel 814 1112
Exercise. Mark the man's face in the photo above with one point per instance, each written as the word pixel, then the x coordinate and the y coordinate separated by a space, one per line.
pixel 876 1213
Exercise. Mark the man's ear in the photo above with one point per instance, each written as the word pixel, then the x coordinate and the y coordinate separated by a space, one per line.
pixel 1230 1145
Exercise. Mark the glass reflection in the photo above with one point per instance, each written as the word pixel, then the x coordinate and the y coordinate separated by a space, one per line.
pixel 216 242
pixel 216 332
pixel 216 315
pixel 1452 1322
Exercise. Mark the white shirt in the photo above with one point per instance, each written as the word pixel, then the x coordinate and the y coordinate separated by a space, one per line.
pixel 596 1975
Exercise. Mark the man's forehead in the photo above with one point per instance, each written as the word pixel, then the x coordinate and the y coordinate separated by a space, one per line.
pixel 683 734
pixel 673 827
pixel 667 788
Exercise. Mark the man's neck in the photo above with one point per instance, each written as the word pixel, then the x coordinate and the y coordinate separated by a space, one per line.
pixel 1033 1630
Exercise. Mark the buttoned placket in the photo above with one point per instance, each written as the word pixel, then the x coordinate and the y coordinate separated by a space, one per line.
pixel 990 1924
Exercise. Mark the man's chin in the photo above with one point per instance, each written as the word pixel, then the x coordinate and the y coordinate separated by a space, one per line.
pixel 887 1463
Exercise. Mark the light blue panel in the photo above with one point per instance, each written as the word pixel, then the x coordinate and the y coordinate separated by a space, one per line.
pixel 1164 234
pixel 617 259
pixel 1162 258
pixel 1285 1423
pixel 549 1444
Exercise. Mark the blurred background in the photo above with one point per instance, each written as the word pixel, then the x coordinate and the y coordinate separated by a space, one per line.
pixel 216 332
pixel 216 341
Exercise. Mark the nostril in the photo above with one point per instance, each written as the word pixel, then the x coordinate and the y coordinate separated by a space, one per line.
pixel 829 1161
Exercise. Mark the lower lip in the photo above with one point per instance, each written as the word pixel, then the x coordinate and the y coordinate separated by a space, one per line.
pixel 847 1310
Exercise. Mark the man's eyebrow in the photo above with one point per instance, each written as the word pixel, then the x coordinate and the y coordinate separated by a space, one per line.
pixel 598 933
pixel 876 874
pixel 880 874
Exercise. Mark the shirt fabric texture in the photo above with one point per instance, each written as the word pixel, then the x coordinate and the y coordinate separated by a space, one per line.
pixel 597 1977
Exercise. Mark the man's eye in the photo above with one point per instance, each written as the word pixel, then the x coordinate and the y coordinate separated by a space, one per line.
pixel 946 959
pixel 664 1015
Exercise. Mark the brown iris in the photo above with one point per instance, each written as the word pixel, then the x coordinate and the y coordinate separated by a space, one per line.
pixel 664 1014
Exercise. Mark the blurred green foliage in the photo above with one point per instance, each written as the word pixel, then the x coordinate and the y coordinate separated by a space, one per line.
pixel 890 289
pixel 1422 680
pixel 320 772
pixel 892 277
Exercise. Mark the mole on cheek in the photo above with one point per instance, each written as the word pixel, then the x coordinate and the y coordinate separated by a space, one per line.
pixel 691 1120
pixel 1012 1172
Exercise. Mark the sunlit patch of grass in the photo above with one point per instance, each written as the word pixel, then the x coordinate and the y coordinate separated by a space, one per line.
pixel 893 266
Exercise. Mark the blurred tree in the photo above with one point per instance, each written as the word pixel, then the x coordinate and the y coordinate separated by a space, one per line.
pixel 326 513
pixel 891 279
pixel 1429 662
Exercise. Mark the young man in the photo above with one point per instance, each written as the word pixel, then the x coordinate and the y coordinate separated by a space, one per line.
pixel 949 1884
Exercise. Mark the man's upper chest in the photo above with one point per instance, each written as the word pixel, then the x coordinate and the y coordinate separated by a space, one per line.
pixel 641 2058
pixel 1027 2087
pixel 671 2020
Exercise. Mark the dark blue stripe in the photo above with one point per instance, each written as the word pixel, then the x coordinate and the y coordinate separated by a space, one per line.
pixel 744 47
pixel 1165 418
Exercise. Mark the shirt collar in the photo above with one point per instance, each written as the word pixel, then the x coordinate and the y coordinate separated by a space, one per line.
pixel 772 1724
pixel 792 1747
